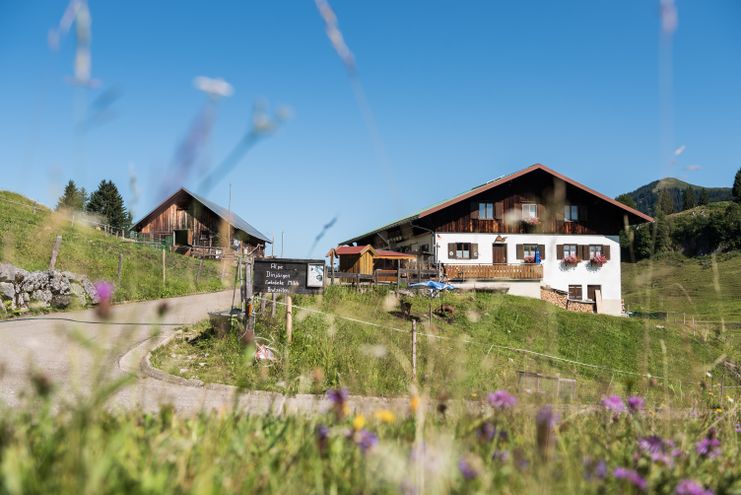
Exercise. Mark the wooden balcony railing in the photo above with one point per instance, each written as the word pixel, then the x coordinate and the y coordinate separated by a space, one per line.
pixel 497 271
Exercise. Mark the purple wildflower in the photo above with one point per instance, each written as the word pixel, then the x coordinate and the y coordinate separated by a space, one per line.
pixel 322 438
pixel 689 487
pixel 501 399
pixel 594 469
pixel 738 427
pixel 632 477
pixel 635 404
pixel 545 421
pixel 486 432
pixel 338 398
pixel 104 290
pixel 658 450
pixel 467 469
pixel 613 403
pixel 709 446
pixel 366 440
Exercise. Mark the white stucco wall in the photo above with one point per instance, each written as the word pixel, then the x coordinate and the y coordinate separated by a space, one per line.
pixel 554 273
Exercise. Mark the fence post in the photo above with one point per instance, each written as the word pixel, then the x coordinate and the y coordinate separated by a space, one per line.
pixel 272 307
pixel 414 350
pixel 289 318
pixel 120 267
pixel 55 252
pixel 164 272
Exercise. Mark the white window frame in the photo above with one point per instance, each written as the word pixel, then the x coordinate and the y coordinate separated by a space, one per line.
pixel 571 213
pixel 525 250
pixel 594 250
pixel 567 250
pixel 461 251
pixel 486 210
pixel 529 210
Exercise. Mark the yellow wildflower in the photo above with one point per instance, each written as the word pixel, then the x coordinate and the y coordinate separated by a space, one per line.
pixel 385 416
pixel 358 422
pixel 414 403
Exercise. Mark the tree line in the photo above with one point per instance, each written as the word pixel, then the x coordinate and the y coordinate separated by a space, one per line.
pixel 691 234
pixel 105 201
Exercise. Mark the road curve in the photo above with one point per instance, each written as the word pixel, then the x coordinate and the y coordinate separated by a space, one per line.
pixel 75 349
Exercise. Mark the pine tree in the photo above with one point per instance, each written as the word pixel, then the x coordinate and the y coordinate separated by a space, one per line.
pixel 737 187
pixel 72 198
pixel 664 203
pixel 704 199
pixel 627 200
pixel 107 201
pixel 688 199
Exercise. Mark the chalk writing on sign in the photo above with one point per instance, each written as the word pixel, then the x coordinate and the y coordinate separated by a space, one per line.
pixel 287 276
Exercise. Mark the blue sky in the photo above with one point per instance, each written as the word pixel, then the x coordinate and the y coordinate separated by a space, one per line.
pixel 460 92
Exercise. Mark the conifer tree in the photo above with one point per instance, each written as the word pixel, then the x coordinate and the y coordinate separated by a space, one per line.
pixel 72 198
pixel 109 203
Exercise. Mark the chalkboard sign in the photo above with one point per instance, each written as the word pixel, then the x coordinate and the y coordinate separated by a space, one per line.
pixel 288 276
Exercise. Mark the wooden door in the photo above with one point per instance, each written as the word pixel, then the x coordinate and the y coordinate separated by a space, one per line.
pixel 591 289
pixel 500 253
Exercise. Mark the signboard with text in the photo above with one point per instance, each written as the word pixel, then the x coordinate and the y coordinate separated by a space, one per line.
pixel 288 276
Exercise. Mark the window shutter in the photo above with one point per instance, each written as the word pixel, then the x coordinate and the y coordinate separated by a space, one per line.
pixel 451 250
pixel 583 251
pixel 541 248
pixel 499 210
pixel 559 251
pixel 540 211
pixel 520 249
pixel 474 210
pixel 474 251
pixel 606 251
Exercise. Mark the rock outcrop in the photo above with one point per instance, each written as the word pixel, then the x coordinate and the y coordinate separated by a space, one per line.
pixel 21 290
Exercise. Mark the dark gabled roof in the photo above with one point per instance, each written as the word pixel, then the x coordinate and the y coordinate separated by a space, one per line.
pixel 230 217
pixel 492 184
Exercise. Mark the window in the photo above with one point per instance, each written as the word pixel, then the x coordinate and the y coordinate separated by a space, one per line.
pixel 463 250
pixel 591 291
pixel 594 250
pixel 570 250
pixel 486 211
pixel 571 213
pixel 529 249
pixel 575 292
pixel 529 210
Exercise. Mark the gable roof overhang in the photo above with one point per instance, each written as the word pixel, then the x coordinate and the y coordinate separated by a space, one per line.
pixel 229 217
pixel 496 183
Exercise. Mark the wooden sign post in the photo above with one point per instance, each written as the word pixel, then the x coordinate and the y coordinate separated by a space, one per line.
pixel 288 277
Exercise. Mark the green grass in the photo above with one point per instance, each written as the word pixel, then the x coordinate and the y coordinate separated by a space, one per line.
pixel 79 447
pixel 707 288
pixel 328 351
pixel 28 231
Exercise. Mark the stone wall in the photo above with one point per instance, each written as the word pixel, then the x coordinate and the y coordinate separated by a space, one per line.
pixel 561 299
pixel 21 290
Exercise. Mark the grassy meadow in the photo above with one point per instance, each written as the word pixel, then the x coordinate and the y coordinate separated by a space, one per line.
pixel 464 356
pixel 513 446
pixel 28 231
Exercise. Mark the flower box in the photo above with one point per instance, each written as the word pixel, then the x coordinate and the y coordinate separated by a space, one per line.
pixel 529 259
pixel 570 260
pixel 598 260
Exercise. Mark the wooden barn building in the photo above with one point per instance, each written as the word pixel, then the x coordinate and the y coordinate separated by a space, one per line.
pixel 195 226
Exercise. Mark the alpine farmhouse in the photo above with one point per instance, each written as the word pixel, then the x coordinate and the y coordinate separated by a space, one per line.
pixel 528 233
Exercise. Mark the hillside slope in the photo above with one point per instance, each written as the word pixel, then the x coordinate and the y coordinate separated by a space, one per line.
pixel 28 231
pixel 706 288
pixel 469 353
pixel 647 196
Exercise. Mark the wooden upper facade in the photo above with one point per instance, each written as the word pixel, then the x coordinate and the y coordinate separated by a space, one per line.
pixel 193 221
pixel 536 199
